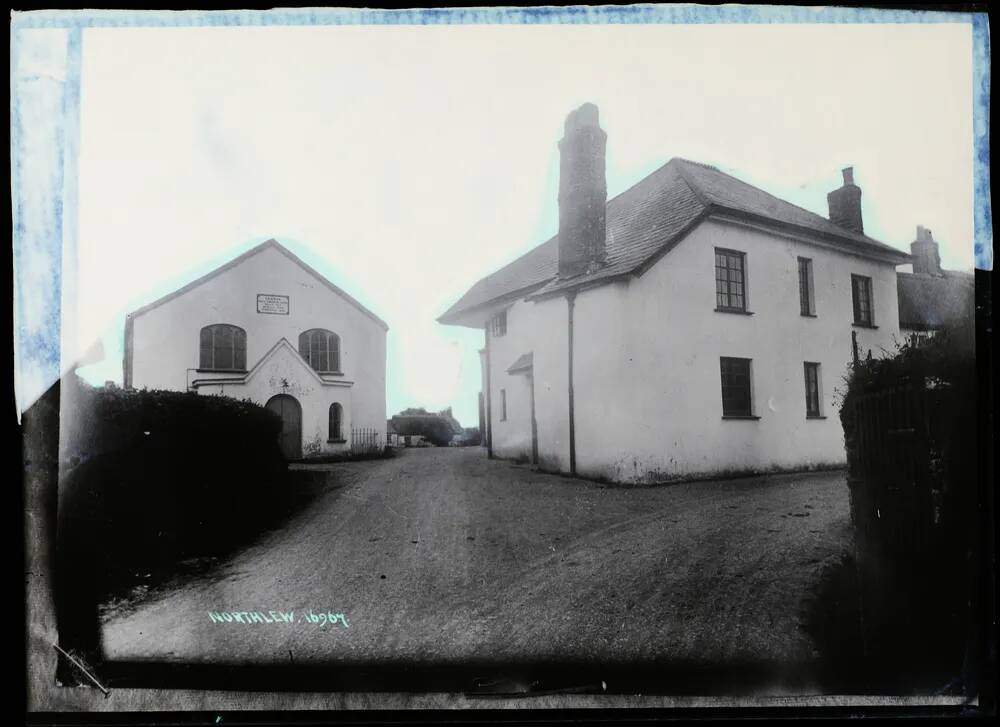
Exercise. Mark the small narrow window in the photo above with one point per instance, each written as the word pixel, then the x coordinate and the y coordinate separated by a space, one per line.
pixel 222 347
pixel 321 349
pixel 812 389
pixel 498 324
pixel 807 304
pixel 736 387
pixel 503 405
pixel 730 280
pixel 861 293
pixel 336 422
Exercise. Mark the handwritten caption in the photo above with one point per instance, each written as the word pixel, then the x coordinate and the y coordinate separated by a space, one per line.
pixel 322 618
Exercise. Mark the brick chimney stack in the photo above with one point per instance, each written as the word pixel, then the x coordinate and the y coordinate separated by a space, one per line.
pixel 926 256
pixel 845 204
pixel 583 193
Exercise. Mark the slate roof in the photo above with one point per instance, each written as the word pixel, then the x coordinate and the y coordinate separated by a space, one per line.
pixel 647 220
pixel 927 302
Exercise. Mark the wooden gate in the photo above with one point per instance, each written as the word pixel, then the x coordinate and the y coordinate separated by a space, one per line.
pixel 910 487
pixel 894 495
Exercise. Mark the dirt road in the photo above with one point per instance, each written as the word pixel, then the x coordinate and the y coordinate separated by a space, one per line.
pixel 441 554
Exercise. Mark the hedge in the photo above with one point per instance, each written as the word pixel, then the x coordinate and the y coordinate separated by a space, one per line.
pixel 916 541
pixel 155 477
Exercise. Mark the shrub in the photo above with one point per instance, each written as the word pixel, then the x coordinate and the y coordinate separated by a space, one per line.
pixel 432 427
pixel 947 359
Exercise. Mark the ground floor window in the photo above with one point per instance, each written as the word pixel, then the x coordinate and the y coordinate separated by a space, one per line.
pixel 812 389
pixel 736 387
pixel 336 422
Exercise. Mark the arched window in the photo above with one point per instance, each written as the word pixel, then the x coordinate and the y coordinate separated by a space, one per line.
pixel 336 422
pixel 223 348
pixel 321 349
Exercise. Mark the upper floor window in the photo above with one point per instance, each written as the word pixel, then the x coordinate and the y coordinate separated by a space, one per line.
pixel 498 324
pixel 223 347
pixel 321 349
pixel 807 301
pixel 503 405
pixel 861 292
pixel 730 280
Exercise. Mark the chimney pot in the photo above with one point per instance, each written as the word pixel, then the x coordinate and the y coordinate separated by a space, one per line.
pixel 848 176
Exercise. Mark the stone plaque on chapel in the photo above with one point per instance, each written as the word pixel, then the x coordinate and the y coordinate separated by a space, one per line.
pixel 275 304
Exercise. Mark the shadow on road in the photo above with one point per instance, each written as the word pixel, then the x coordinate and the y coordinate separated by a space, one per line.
pixel 301 487
pixel 911 650
pixel 832 618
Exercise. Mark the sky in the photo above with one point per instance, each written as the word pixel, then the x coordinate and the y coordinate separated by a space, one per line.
pixel 407 162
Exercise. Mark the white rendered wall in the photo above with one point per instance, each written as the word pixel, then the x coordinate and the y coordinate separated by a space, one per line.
pixel 648 400
pixel 284 373
pixel 540 329
pixel 165 341
pixel 649 406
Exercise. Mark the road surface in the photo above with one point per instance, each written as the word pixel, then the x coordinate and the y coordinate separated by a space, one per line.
pixel 444 555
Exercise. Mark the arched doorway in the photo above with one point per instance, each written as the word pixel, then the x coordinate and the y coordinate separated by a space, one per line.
pixel 288 408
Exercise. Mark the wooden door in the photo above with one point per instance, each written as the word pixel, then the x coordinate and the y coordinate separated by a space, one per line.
pixel 288 408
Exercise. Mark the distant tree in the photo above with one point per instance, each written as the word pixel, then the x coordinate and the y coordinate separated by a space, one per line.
pixel 456 427
pixel 431 426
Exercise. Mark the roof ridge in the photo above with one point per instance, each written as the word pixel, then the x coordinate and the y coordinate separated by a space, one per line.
pixel 779 199
pixel 697 164
pixel 650 215
pixel 695 190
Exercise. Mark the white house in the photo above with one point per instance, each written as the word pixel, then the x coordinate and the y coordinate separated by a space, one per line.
pixel 268 328
pixel 693 325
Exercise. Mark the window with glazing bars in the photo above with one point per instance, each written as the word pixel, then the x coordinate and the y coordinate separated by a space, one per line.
pixel 861 291
pixel 730 280
pixel 498 324
pixel 223 347
pixel 736 387
pixel 806 302
pixel 321 349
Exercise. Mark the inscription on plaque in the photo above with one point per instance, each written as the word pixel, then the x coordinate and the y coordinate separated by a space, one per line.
pixel 274 304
